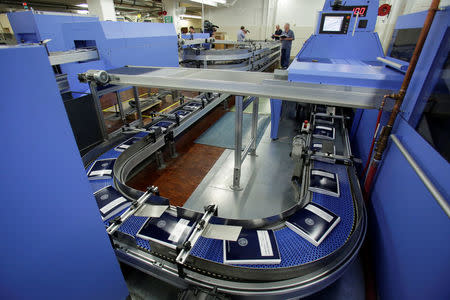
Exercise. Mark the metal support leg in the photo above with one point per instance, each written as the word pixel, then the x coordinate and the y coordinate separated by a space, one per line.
pixel 160 160
pixel 138 106
pixel 225 104
pixel 238 144
pixel 175 96
pixel 98 110
pixel 171 142
pixel 254 126
pixel 119 103
pixel 172 149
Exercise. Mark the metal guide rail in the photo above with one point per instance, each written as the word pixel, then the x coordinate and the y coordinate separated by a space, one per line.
pixel 304 268
pixel 238 83
pixel 244 56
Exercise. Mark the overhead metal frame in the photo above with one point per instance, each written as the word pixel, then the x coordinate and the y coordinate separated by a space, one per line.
pixel 246 84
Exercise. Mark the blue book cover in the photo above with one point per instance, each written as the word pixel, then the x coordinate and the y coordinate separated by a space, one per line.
pixel 252 247
pixel 313 223
pixel 320 109
pixel 182 113
pixel 110 202
pixel 324 132
pixel 324 182
pixel 168 230
pixel 164 125
pixel 101 169
pixel 192 106
pixel 127 144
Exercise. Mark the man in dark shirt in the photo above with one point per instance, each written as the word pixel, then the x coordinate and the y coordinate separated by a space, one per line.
pixel 277 33
pixel 191 30
pixel 286 44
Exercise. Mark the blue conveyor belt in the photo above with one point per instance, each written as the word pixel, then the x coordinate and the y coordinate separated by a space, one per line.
pixel 294 249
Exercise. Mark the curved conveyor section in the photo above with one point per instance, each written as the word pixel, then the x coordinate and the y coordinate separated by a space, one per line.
pixel 304 267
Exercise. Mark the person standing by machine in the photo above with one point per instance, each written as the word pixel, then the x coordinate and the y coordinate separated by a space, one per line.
pixel 287 36
pixel 278 32
pixel 241 34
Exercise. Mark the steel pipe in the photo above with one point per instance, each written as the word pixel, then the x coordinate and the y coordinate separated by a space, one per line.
pixel 429 185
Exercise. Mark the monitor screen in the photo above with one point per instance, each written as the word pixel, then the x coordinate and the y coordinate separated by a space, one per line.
pixel 333 23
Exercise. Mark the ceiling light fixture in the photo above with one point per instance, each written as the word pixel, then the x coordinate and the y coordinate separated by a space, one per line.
pixel 210 2
pixel 190 17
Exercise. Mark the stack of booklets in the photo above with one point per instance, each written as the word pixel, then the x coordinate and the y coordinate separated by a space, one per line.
pixel 110 202
pixel 253 247
pixel 327 150
pixel 127 144
pixel 324 132
pixel 168 230
pixel 313 223
pixel 324 182
pixel 101 169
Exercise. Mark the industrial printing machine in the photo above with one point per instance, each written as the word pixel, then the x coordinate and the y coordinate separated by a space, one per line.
pixel 195 259
pixel 192 249
pixel 198 251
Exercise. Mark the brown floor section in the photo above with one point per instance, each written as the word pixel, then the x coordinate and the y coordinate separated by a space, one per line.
pixel 184 173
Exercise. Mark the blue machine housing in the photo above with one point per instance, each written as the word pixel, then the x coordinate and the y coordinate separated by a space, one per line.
pixel 409 230
pixel 54 244
pixel 348 57
pixel 118 43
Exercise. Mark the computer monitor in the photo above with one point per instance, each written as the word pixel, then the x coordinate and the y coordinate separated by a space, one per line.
pixel 332 23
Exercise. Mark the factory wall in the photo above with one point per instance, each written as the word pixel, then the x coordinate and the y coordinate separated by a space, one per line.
pixel 261 16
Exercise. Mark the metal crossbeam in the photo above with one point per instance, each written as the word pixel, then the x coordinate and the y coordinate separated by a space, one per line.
pixel 64 57
pixel 246 84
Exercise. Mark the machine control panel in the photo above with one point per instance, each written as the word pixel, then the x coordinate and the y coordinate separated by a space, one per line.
pixel 335 23
pixel 360 10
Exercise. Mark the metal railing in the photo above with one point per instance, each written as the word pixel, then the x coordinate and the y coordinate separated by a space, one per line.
pixel 428 184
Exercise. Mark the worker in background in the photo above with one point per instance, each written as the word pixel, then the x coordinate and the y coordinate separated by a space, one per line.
pixel 191 30
pixel 287 36
pixel 277 33
pixel 241 34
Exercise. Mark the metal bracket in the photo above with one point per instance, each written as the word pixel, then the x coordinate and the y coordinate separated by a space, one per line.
pixel 136 204
pixel 210 211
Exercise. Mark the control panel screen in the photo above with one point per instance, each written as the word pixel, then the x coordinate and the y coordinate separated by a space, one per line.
pixel 333 23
